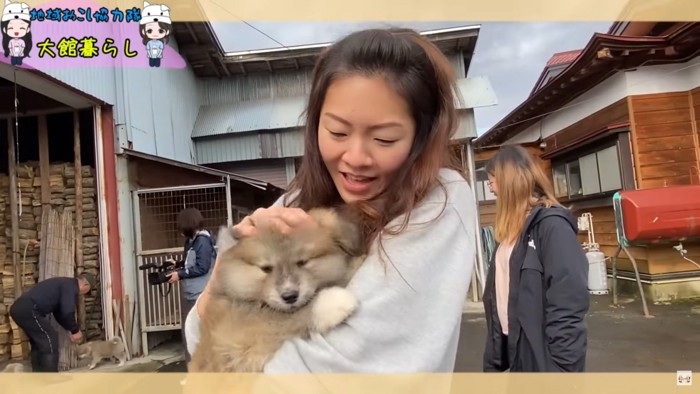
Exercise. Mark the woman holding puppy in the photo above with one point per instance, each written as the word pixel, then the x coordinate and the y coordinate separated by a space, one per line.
pixel 378 126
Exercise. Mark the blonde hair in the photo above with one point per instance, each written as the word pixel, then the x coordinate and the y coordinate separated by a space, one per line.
pixel 522 185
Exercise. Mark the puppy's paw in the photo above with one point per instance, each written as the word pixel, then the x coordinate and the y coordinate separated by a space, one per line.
pixel 331 307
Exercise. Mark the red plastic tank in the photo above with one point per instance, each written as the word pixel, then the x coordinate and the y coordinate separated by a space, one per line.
pixel 659 214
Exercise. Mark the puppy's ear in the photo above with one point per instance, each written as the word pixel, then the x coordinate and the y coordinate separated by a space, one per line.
pixel 226 239
pixel 344 226
pixel 349 235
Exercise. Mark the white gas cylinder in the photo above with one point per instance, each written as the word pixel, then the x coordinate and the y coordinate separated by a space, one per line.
pixel 597 272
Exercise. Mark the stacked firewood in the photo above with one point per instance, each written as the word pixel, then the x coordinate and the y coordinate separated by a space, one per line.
pixel 62 197
pixel 5 328
pixel 7 285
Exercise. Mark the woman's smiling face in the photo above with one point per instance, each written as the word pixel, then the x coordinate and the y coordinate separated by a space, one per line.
pixel 17 28
pixel 365 134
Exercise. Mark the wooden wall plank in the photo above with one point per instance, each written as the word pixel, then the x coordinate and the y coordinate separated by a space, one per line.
pixel 664 130
pixel 487 213
pixel 663 171
pixel 650 118
pixel 665 141
pixel 660 102
pixel 666 147
pixel 647 145
pixel 695 110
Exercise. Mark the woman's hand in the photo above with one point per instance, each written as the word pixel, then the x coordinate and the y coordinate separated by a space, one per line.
pixel 283 219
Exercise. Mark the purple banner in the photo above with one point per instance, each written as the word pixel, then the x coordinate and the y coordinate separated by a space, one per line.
pixel 82 33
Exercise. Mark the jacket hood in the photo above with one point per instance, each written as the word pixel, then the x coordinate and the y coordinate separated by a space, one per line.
pixel 539 213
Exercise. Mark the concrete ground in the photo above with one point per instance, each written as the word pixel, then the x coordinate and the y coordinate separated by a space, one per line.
pixel 619 339
pixel 169 353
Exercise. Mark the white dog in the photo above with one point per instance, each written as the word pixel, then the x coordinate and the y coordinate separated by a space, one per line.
pixel 155 13
pixel 16 11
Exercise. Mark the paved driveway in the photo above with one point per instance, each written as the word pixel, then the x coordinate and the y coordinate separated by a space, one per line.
pixel 619 339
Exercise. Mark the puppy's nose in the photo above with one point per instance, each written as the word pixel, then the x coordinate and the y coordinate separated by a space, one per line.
pixel 290 297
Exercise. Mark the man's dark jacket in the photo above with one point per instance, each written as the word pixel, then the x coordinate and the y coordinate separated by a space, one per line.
pixel 548 299
pixel 58 296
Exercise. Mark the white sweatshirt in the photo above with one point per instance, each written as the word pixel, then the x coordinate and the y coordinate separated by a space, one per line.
pixel 398 328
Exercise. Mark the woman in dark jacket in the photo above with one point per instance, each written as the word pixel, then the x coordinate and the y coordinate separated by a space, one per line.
pixel 536 293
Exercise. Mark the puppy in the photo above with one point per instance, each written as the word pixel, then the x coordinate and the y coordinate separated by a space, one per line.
pixel 13 367
pixel 272 287
pixel 101 350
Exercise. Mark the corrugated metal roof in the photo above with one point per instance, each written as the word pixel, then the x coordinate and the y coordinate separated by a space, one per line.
pixel 260 184
pixel 264 114
pixel 563 58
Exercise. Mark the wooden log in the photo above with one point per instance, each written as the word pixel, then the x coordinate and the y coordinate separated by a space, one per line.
pixel 45 187
pixel 14 210
pixel 78 209
pixel 44 161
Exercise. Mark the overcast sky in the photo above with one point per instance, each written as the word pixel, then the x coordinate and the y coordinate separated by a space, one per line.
pixel 510 54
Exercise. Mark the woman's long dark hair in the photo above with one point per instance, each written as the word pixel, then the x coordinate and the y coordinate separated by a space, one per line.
pixel 423 76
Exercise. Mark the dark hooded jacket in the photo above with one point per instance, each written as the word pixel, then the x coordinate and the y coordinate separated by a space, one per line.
pixel 548 299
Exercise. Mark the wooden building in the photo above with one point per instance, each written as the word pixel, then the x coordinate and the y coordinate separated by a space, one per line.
pixel 621 114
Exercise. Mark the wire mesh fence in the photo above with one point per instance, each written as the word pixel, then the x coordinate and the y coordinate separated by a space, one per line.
pixel 159 210
pixel 159 238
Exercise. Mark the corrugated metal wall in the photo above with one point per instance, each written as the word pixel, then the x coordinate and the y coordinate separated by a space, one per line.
pixel 270 170
pixel 162 109
pixel 254 87
pixel 250 146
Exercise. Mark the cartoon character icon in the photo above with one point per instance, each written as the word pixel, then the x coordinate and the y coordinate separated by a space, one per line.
pixel 155 27
pixel 16 31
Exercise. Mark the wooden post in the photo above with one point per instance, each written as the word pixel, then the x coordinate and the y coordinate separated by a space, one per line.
pixel 44 168
pixel 78 210
pixel 14 210
pixel 44 174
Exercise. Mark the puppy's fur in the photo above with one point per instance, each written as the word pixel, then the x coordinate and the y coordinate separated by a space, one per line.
pixel 101 350
pixel 13 367
pixel 272 287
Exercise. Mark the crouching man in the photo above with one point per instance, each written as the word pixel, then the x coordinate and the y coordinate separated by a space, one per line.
pixel 59 297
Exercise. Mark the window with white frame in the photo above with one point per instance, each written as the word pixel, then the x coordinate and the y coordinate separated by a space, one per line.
pixel 483 192
pixel 587 174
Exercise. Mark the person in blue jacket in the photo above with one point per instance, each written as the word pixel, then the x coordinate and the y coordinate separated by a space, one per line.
pixel 198 259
